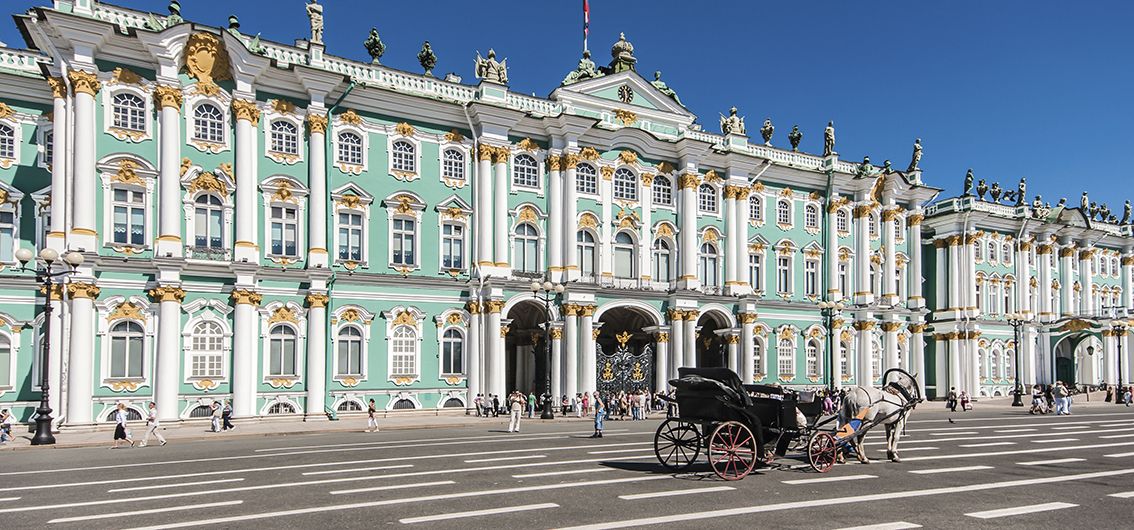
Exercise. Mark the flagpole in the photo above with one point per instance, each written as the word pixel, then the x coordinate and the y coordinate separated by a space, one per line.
pixel 586 23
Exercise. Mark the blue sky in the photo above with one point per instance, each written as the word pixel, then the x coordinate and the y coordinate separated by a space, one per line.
pixel 1009 88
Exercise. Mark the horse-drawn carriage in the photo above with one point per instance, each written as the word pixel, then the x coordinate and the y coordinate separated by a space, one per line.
pixel 740 425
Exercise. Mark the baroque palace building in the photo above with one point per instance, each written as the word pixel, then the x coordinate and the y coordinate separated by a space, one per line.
pixel 300 233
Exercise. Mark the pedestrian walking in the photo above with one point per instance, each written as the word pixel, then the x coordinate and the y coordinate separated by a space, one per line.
pixel 531 404
pixel 951 399
pixel 371 421
pixel 600 412
pixel 586 401
pixel 152 426
pixel 495 406
pixel 215 416
pixel 516 404
pixel 5 426
pixel 120 430
pixel 1060 395
pixel 226 416
pixel 477 401
pixel 966 402
pixel 1126 396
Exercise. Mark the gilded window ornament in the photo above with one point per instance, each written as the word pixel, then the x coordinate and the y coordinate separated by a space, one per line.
pixel 665 230
pixel 405 318
pixel 628 157
pixel 208 181
pixel 283 193
pixel 126 173
pixel 710 235
pixel 282 106
pixel 454 136
pixel 350 201
pixel 283 314
pixel 527 213
pixel 588 220
pixel 125 76
pixel 527 145
pixel 127 310
pixel 350 117
pixel 589 153
pixel 5 111
pixel 404 129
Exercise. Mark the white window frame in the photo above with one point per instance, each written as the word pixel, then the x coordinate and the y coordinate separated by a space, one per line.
pixel 450 180
pixel 519 241
pixel 811 277
pixel 344 127
pixel 297 199
pixel 13 206
pixel 108 106
pixel 361 208
pixel 813 353
pixel 594 245
pixel 17 143
pixel 192 353
pixel 414 207
pixel 279 156
pixel 107 169
pixel 45 142
pixel 463 341
pixel 579 186
pixel 105 324
pixel 392 324
pixel 222 102
pixel 843 222
pixel 785 364
pixel 669 263
pixel 406 175
pixel 811 209
pixel 785 262
pixel 299 326
pixel 13 356
pixel 874 229
pixel 703 264
pixel 785 205
pixel 339 372
pixel 756 270
pixel 703 199
pixel 629 181
pixel 536 167
pixel 756 209
pixel 632 247
pixel 189 206
pixel 662 182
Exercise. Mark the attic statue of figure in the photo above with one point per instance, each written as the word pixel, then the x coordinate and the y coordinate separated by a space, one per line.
pixel 767 130
pixel 173 19
pixel 1062 203
pixel 1022 191
pixel 829 139
pixel 1084 203
pixel 374 46
pixel 490 69
pixel 995 192
pixel 886 167
pixel 657 82
pixel 315 13
pixel 1037 203
pixel 1092 211
pixel 1104 211
pixel 1125 213
pixel 968 189
pixel 795 137
pixel 865 169
pixel 981 189
pixel 733 124
pixel 916 156
pixel 585 70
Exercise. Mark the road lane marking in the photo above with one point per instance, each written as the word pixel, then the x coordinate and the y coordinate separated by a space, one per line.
pixel 953 433
pixel 1116 425
pixel 1116 455
pixel 114 515
pixel 477 513
pixel 870 499
pixel 948 470
pixel 828 479
pixel 1005 437
pixel 904 449
pixel 1057 440
pixel 896 525
pixel 568 472
pixel 1019 418
pixel 1017 452
pixel 502 458
pixel 672 493
pixel 1014 430
pixel 429 441
pixel 1110 436
pixel 6 499
pixel 612 451
pixel 1069 427
pixel 1050 462
pixel 178 485
pixel 1123 495
pixel 388 502
pixel 1021 510
pixel 494 468
pixel 989 444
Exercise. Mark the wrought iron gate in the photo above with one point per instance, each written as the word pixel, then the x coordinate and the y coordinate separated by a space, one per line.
pixel 623 370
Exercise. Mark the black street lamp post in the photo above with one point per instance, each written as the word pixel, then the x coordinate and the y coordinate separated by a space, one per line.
pixel 1016 320
pixel 830 310
pixel 547 292
pixel 48 257
pixel 1120 327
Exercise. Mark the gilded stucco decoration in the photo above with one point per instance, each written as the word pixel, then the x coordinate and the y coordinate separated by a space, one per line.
pixel 405 318
pixel 404 129
pixel 350 117
pixel 125 76
pixel 628 157
pixel 127 310
pixel 665 230
pixel 527 145
pixel 206 58
pixel 282 106
pixel 589 153
pixel 208 182
pixel 588 220
pixel 625 116
pixel 317 124
pixel 126 173
pixel 454 136
pixel 527 213
pixel 283 314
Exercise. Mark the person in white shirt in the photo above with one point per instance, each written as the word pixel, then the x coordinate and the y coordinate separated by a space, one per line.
pixel 152 425
pixel 120 430
pixel 5 426
pixel 516 405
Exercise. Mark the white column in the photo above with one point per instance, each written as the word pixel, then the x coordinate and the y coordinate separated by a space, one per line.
pixel 690 352
pixel 1028 357
pixel 732 339
pixel 571 361
pixel 1086 280
pixel 917 353
pixel 316 380
pixel 731 236
pixel 740 242
pixel 969 268
pixel 862 294
pixel 555 220
pixel 677 330
pixel 1109 360
pixel 1023 277
pixel 687 251
pixel 169 178
pixel 494 354
pixel 832 254
pixel 889 266
pixel 646 239
pixel 483 214
pixel 954 364
pixel 569 215
pixel 56 235
pixel 55 353
pixel 247 116
pixel 587 349
pixel 245 352
pixel 1127 279
pixel 913 272
pixel 864 372
pixel 167 378
pixel 80 368
pixel 941 365
pixel 1067 281
pixel 941 264
pixel 747 347
pixel 84 234
pixel 837 354
pixel 661 361
pixel 890 345
pixel 557 364
pixel 474 359
pixel 317 205
pixel 955 273
pixel 500 205
pixel 1043 263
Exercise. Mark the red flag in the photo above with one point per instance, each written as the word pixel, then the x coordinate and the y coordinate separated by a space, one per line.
pixel 586 22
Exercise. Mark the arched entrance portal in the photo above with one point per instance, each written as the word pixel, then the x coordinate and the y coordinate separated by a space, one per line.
pixel 1077 359
pixel 525 349
pixel 624 352
pixel 711 349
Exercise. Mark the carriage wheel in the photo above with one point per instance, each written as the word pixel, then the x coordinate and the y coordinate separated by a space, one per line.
pixel 822 450
pixel 732 450
pixel 677 444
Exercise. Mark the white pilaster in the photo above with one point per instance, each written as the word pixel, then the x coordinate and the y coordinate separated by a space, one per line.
pixel 55 353
pixel 731 235
pixel 317 256
pixel 863 293
pixel 1087 281
pixel 169 182
pixel 557 364
pixel 1043 264
pixel 246 247
pixel 890 345
pixel 167 378
pixel 500 205
pixel 832 253
pixel 941 264
pixel 917 353
pixel 1127 279
pixel 315 382
pixel 587 349
pixel 80 366
pixel 889 248
pixel 1067 281
pixel 245 352
pixel 571 360
pixel 864 372
pixel 837 354
pixel 955 273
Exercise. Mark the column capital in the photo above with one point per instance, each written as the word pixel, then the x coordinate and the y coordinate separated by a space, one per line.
pixel 915 219
pixel 84 82
pixel 1087 254
pixel 246 110
pixel 571 310
pixel 917 328
pixel 676 314
pixel 890 327
pixel 495 306
pixel 58 87
pixel 317 123
pixel 862 210
pixel 662 337
pixel 56 292
pixel 1128 260
pixel 569 160
pixel 1067 252
pixel 246 296
pixel 647 179
pixel 504 331
pixel 587 310
pixel 747 318
pixel 317 300
pixel 732 339
pixel 83 290
pixel 473 307
pixel 890 214
pixel 167 293
pixel 556 333
pixel 1043 249
pixel 863 325
pixel 689 180
pixel 730 192
pixel 168 96
pixel 500 155
pixel 554 163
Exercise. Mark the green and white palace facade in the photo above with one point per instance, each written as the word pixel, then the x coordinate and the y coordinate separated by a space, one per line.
pixel 301 233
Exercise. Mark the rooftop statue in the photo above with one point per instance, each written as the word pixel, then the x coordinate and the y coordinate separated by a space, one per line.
pixel 995 192
pixel 315 14
pixel 660 85
pixel 1021 191
pixel 374 46
pixel 1104 210
pixel 173 19
pixel 1083 202
pixel 968 190
pixel 585 70
pixel 865 169
pixel 886 167
pixel 916 156
pixel 427 59
pixel 733 124
pixel 795 137
pixel 1125 213
pixel 490 69
pixel 767 130
pixel 622 53
pixel 981 189
pixel 1062 203
pixel 1037 203
pixel 234 25
pixel 829 139
pixel 1093 211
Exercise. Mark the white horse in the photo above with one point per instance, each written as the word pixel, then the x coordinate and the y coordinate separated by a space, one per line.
pixel 889 406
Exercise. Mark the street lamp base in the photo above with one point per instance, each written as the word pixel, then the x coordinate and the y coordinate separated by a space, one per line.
pixel 547 414
pixel 43 421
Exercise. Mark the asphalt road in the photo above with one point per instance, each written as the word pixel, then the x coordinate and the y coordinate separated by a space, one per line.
pixel 993 468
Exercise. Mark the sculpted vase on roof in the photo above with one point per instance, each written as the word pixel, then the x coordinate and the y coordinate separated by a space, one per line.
pixel 623 54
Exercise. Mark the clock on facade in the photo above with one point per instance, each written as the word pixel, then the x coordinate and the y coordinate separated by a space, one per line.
pixel 625 93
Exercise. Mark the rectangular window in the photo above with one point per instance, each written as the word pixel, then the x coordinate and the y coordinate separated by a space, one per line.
pixel 207 227
pixel 453 246
pixel 811 278
pixel 48 148
pixel 129 217
pixel 350 357
pixel 844 279
pixel 7 235
pixel 282 357
pixel 285 231
pixel 405 232
pixel 783 274
pixel 350 236
pixel 756 271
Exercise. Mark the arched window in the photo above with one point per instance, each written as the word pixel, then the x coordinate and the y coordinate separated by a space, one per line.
pixel 992 251
pixel 811 216
pixel 842 221
pixel 707 198
pixel 281 350
pixel 756 207
pixel 403 352
pixel 624 261
pixel 208 123
pixel 525 171
pixel 663 266
pixel 281 408
pixel 452 352
pixel 844 358
pixel 208 223
pixel 812 358
pixel 129 111
pixel 403 156
pixel 126 340
pixel 708 269
pixel 206 350
pixel 899 231
pixel 982 363
pixel 586 252
pixel 978 251
pixel 586 179
pixel 876 359
pixel 785 358
pixel 527 248
pixel 453 403
pixel 783 212
pixel 349 346
pixel 454 165
pixel 663 191
pixel 625 185
pixel 7 141
pixel 349 406
pixel 284 137
pixel 404 404
pixel 873 224
pixel 1006 253
pixel 995 365
pixel 350 149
